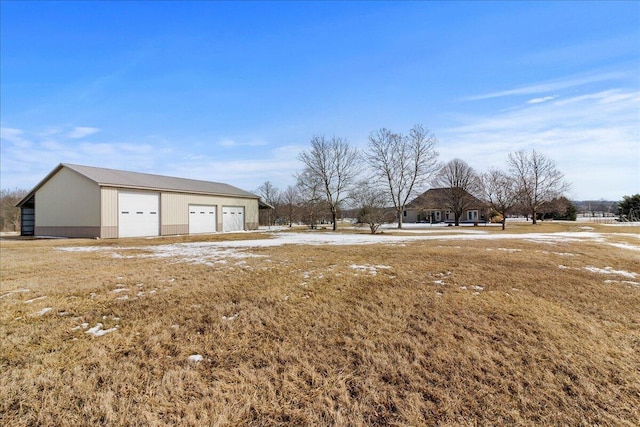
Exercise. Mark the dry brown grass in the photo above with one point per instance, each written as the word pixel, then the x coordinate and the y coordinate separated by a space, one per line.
pixel 498 332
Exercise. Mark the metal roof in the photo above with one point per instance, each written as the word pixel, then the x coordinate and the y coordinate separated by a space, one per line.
pixel 144 181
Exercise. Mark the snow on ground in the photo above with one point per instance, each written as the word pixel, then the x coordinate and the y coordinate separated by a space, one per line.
pixel 97 330
pixel 43 311
pixel 610 270
pixel 17 291
pixel 371 269
pixel 216 253
pixel 29 301
pixel 625 246
pixel 195 358
pixel 624 282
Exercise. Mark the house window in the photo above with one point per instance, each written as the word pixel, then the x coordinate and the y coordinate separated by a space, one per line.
pixel 472 215
pixel 404 213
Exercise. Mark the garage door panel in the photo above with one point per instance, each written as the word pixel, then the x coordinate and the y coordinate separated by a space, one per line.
pixel 202 219
pixel 138 214
pixel 232 218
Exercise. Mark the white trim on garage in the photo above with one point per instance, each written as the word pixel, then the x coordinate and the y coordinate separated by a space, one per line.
pixel 138 214
pixel 232 218
pixel 202 219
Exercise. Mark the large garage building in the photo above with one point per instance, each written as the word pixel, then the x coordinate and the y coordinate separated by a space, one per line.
pixel 84 201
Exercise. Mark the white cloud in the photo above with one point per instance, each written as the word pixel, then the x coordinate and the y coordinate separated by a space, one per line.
pixel 552 85
pixel 231 143
pixel 14 136
pixel 593 137
pixel 81 132
pixel 541 100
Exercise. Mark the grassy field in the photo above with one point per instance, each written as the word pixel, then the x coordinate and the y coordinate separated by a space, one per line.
pixel 436 329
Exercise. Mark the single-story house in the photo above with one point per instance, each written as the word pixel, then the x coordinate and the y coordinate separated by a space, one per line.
pixel 433 206
pixel 85 201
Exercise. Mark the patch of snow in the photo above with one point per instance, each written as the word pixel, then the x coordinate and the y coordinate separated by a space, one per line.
pixel 230 318
pixel 371 269
pixel 625 282
pixel 97 330
pixel 195 358
pixel 117 290
pixel 17 291
pixel 29 301
pixel 625 246
pixel 509 250
pixel 477 288
pixel 438 282
pixel 610 270
pixel 123 298
pixel 43 311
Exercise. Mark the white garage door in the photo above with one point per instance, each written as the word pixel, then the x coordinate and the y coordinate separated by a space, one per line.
pixel 232 218
pixel 138 214
pixel 202 219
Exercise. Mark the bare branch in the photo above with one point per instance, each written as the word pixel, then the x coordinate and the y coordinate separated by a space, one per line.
pixel 401 163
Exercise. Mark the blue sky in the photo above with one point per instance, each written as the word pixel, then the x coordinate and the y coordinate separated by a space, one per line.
pixel 233 92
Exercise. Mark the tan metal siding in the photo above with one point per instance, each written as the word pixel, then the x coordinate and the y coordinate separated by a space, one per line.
pixel 68 199
pixel 109 212
pixel 174 210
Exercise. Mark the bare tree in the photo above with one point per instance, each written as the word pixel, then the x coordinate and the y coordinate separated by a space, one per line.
pixel 538 179
pixel 500 191
pixel 290 200
pixel 9 214
pixel 459 181
pixel 370 202
pixel 270 194
pixel 311 199
pixel 334 164
pixel 402 163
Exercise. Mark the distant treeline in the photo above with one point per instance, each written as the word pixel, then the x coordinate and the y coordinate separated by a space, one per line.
pixel 9 214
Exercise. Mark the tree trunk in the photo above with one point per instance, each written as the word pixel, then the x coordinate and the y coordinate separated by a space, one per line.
pixel 333 218
pixel 504 221
pixel 400 213
pixel 534 217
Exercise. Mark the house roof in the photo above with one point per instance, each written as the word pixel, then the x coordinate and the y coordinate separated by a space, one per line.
pixel 144 181
pixel 437 199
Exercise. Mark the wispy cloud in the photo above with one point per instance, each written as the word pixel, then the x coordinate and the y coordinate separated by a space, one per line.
pixel 594 138
pixel 551 85
pixel 81 132
pixel 231 143
pixel 27 156
pixel 541 100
